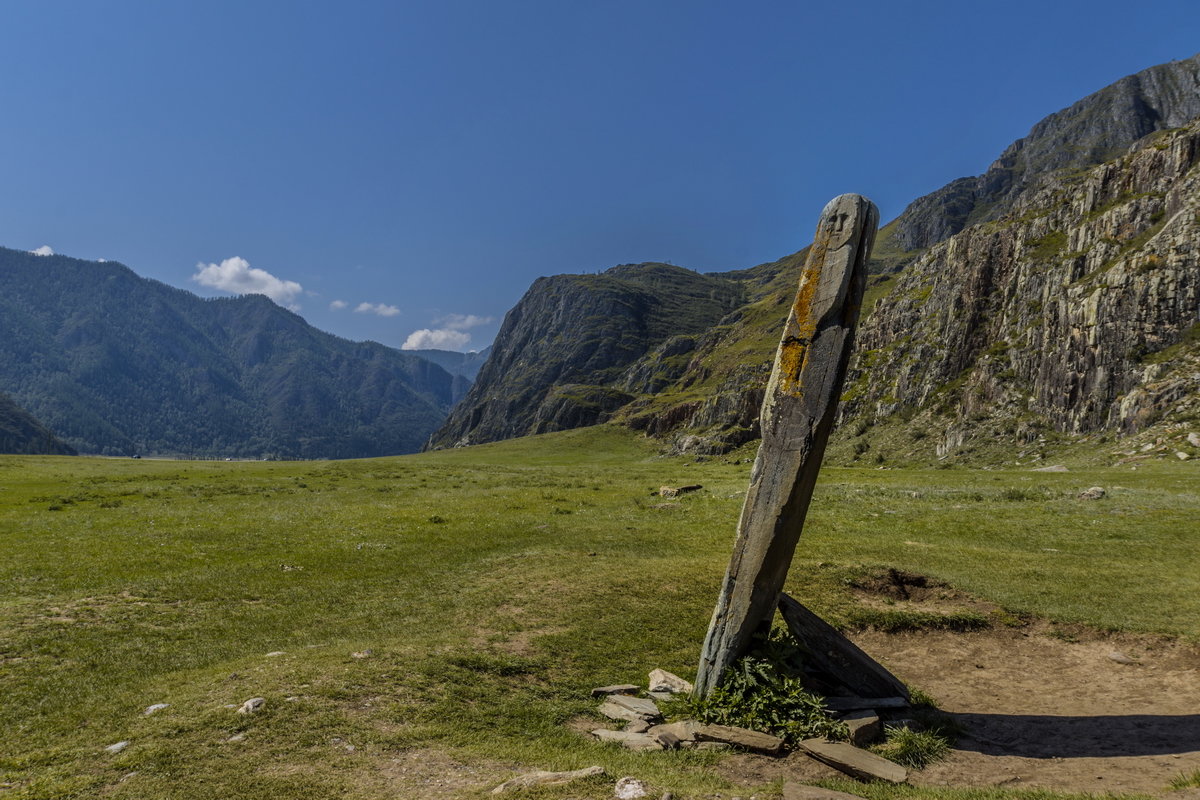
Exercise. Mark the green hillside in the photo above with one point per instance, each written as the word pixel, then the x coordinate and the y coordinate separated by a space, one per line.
pixel 21 433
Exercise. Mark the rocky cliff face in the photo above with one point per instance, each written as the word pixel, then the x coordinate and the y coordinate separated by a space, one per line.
pixel 559 359
pixel 1095 129
pixel 1053 296
pixel 1071 314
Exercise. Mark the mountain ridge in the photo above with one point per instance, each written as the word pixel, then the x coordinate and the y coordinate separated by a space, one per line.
pixel 119 364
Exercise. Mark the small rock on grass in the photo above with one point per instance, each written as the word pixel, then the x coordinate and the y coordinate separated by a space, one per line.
pixel 740 737
pixel 625 707
pixel 117 747
pixel 629 788
pixel 155 708
pixel 663 681
pixel 274 653
pixel 543 778
pixel 1094 493
pixel 252 705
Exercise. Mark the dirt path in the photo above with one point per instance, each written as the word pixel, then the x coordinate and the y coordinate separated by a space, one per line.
pixel 1041 712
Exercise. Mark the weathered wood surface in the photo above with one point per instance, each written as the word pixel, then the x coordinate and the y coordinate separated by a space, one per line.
pixel 837 656
pixel 796 417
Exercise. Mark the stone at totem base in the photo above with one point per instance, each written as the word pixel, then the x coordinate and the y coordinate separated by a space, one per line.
pixel 864 727
pixel 630 741
pixel 543 778
pixel 711 746
pixel 740 737
pixel 623 706
pixel 663 681
pixel 800 791
pixel 854 762
pixel 620 688
pixel 683 731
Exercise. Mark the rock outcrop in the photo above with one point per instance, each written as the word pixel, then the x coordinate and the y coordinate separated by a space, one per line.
pixel 1097 128
pixel 564 350
pixel 1071 314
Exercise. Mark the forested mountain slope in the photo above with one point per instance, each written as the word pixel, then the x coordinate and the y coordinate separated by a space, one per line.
pixel 118 364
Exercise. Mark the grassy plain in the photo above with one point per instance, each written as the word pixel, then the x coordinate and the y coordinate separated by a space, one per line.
pixel 493 587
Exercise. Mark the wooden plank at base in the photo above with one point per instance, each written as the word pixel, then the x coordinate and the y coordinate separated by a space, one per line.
pixel 836 655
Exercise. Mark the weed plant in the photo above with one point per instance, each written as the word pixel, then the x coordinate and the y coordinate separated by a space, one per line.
pixel 764 691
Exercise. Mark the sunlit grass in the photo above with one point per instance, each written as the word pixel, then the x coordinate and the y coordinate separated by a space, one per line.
pixel 492 586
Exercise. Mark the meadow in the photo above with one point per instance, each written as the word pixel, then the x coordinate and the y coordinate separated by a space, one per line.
pixel 421 620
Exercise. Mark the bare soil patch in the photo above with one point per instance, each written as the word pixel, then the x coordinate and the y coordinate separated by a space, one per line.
pixel 1039 711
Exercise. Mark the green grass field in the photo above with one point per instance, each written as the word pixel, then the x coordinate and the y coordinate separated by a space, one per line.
pixel 493 586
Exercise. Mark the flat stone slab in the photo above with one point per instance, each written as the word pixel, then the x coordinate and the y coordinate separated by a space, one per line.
pixel 854 762
pixel 800 791
pixel 628 740
pixel 740 737
pixel 626 707
pixel 620 688
pixel 543 778
pixel 860 703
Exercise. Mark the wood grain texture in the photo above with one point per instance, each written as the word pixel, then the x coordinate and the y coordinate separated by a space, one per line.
pixel 797 415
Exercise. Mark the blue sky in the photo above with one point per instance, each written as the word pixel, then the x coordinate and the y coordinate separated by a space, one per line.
pixel 394 167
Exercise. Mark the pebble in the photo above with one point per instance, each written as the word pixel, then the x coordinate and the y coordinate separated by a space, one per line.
pixel 274 653
pixel 629 788
pixel 252 705
pixel 116 748
pixel 154 708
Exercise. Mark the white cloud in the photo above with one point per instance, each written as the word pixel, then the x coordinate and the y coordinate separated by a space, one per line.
pixel 44 250
pixel 441 339
pixel 462 322
pixel 236 276
pixel 338 305
pixel 377 308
